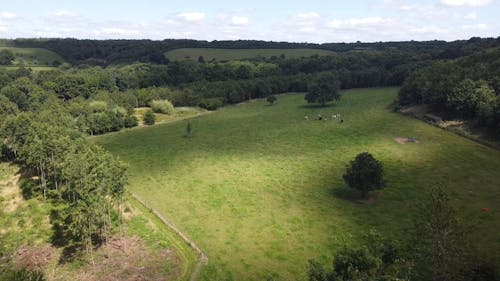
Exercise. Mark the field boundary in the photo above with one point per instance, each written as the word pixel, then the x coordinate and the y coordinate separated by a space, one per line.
pixel 139 127
pixel 202 258
pixel 459 133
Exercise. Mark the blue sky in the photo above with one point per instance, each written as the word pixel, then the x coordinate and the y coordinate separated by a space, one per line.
pixel 296 21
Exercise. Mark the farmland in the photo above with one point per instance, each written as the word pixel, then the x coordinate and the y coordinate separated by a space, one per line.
pixel 34 57
pixel 260 189
pixel 239 54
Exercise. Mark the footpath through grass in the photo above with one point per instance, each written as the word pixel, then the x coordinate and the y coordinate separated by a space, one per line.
pixel 260 189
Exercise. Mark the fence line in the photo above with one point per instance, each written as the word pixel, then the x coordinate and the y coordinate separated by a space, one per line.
pixel 202 258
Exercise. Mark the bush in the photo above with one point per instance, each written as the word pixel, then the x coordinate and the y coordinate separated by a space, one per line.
pixel 271 100
pixel 162 106
pixel 130 121
pixel 211 103
pixel 149 117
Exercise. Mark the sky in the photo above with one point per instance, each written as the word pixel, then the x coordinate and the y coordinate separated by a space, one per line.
pixel 315 21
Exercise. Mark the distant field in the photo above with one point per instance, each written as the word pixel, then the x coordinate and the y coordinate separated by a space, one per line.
pixel 238 54
pixel 34 68
pixel 260 189
pixel 34 56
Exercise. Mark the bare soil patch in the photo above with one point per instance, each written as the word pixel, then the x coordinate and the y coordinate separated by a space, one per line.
pixel 33 258
pixel 404 140
pixel 127 259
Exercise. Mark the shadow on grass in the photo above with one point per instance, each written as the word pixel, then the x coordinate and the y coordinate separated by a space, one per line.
pixel 345 193
pixel 318 106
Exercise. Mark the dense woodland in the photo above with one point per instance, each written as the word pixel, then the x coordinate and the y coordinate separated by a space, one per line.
pixel 45 115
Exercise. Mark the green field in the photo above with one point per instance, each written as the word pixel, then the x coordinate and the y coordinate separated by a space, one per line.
pixel 260 189
pixel 34 56
pixel 239 54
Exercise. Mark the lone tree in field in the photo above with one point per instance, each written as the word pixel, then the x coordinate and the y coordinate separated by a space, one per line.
pixel 323 90
pixel 149 117
pixel 271 100
pixel 365 174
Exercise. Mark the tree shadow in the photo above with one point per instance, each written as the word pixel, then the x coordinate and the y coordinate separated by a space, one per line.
pixel 317 106
pixel 345 193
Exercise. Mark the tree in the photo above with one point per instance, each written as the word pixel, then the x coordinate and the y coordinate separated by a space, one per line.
pixel 149 117
pixel 6 57
pixel 323 90
pixel 438 245
pixel 377 259
pixel 365 174
pixel 271 99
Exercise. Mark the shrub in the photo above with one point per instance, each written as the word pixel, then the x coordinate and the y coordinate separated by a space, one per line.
pixel 211 103
pixel 130 121
pixel 162 106
pixel 271 100
pixel 149 117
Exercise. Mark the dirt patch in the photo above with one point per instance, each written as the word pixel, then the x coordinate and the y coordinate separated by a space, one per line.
pixel 127 259
pixel 405 140
pixel 33 258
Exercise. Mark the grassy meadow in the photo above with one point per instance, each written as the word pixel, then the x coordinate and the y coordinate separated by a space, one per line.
pixel 37 57
pixel 239 54
pixel 260 189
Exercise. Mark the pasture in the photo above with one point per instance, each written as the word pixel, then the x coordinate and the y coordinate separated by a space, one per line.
pixel 240 54
pixel 260 189
pixel 37 57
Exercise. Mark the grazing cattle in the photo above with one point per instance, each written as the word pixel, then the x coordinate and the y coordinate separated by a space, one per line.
pixel 306 117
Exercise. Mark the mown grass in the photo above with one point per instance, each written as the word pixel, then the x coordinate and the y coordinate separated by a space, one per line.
pixel 260 189
pixel 239 54
pixel 34 56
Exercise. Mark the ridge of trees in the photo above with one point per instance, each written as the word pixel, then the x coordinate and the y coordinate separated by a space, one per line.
pixel 106 52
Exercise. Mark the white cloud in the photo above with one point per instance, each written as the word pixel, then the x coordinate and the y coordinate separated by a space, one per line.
pixel 8 16
pixel 192 17
pixel 308 16
pixel 3 29
pixel 471 3
pixel 476 27
pixel 360 23
pixel 237 20
pixel 66 14
pixel 114 31
pixel 470 16
pixel 335 24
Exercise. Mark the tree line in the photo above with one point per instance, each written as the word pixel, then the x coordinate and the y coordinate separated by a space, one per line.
pixel 107 52
pixel 467 88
